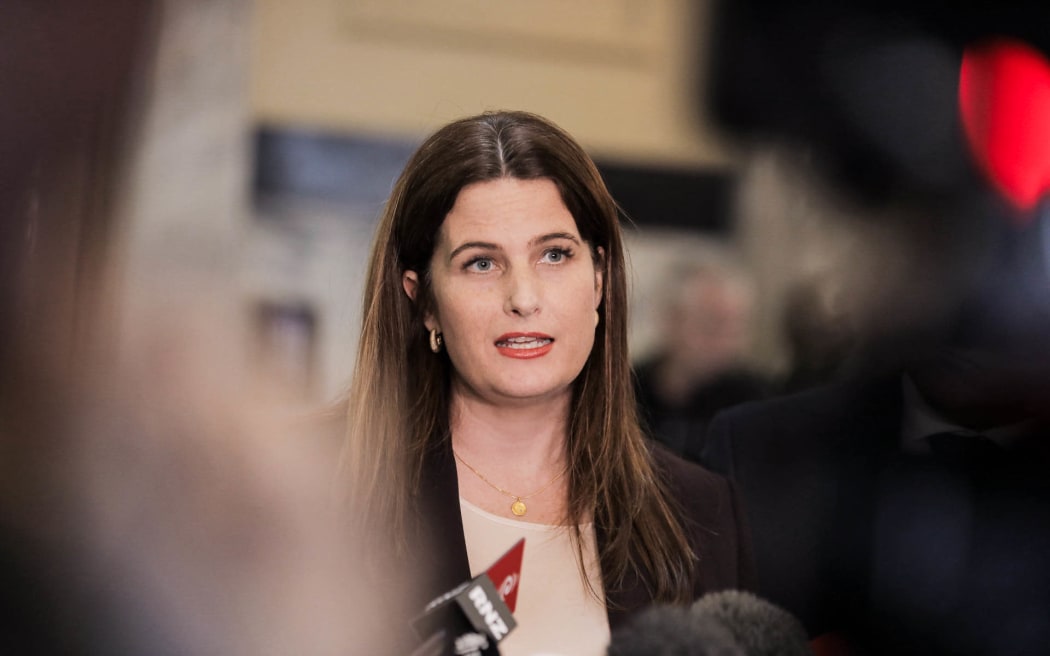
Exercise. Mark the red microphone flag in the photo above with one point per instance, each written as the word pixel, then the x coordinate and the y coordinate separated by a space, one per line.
pixel 505 574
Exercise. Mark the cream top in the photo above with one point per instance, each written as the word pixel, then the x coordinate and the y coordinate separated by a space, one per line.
pixel 556 613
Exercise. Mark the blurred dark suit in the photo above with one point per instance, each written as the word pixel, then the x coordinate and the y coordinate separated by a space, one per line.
pixel 899 552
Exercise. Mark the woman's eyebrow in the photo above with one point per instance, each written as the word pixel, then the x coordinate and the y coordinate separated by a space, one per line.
pixel 473 244
pixel 553 236
pixel 486 245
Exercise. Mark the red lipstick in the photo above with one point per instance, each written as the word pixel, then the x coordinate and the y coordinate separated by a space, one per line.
pixel 523 346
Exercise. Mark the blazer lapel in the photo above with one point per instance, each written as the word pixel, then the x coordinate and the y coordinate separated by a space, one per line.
pixel 442 545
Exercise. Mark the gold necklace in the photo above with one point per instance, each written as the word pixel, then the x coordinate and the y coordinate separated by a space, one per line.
pixel 518 507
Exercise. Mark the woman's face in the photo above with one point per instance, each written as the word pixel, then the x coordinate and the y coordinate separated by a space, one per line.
pixel 516 291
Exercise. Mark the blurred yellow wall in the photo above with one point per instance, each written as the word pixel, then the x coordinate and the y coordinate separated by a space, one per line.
pixel 620 75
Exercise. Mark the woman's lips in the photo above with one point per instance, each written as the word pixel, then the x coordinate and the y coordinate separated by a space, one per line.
pixel 524 345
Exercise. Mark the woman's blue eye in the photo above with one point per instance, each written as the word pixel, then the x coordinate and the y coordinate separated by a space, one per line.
pixel 556 255
pixel 481 264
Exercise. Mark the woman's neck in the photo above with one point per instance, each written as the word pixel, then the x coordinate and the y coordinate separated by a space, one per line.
pixel 532 437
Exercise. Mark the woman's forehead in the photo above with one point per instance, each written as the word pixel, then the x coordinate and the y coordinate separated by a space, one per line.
pixel 507 211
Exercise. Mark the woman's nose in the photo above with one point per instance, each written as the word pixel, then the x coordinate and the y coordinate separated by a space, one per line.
pixel 523 293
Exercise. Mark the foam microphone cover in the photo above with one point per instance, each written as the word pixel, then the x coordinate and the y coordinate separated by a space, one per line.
pixel 758 627
pixel 672 631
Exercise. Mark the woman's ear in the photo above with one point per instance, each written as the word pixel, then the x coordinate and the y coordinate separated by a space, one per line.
pixel 410 283
pixel 599 267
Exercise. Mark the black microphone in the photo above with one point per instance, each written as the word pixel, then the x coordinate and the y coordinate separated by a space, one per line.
pixel 728 623
pixel 472 618
pixel 758 627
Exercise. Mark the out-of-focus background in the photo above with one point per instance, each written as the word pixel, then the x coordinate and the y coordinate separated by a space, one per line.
pixel 190 187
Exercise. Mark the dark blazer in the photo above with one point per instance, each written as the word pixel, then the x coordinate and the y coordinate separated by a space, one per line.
pixel 907 554
pixel 802 463
pixel 714 520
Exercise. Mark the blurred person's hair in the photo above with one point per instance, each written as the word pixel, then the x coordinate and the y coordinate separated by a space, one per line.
pixel 67 78
pixel 400 396
pixel 66 74
pixel 146 506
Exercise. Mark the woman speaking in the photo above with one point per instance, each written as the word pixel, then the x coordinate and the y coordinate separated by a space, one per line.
pixel 492 398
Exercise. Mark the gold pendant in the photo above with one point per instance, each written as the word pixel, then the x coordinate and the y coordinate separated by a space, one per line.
pixel 518 507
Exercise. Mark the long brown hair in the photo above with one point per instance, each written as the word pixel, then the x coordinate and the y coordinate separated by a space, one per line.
pixel 399 399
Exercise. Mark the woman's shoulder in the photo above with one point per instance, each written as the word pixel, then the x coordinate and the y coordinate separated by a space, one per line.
pixel 687 479
pixel 714 522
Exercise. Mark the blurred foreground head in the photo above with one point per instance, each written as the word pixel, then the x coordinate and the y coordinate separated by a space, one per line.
pixel 150 501
pixel 941 277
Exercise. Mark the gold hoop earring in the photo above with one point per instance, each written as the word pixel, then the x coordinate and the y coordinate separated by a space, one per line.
pixel 435 340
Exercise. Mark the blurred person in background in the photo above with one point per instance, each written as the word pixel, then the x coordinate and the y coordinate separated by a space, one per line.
pixel 492 388
pixel 699 367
